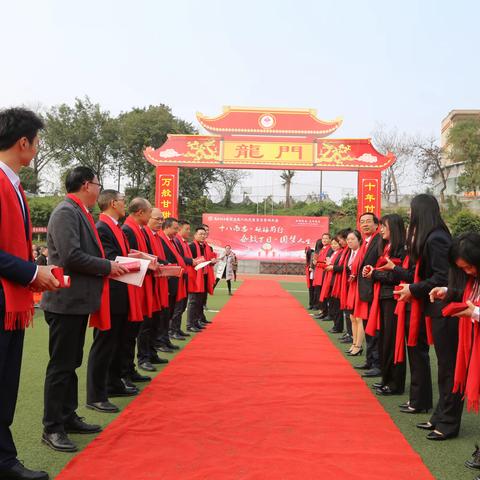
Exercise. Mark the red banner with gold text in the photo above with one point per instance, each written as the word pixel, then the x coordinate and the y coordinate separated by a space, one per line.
pixel 265 237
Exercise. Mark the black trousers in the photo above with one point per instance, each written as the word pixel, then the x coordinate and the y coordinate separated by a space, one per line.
pixel 393 375
pixel 447 415
pixel 162 327
pixel 196 301
pixel 316 296
pixel 335 313
pixel 229 284
pixel 147 337
pixel 420 374
pixel 176 321
pixel 373 354
pixel 66 340
pixel 11 348
pixel 104 364
pixel 348 321
pixel 311 296
pixel 129 340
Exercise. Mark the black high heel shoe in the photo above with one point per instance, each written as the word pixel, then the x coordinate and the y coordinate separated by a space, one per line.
pixel 356 354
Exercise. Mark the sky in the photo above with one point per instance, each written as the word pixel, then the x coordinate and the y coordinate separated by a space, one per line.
pixel 402 65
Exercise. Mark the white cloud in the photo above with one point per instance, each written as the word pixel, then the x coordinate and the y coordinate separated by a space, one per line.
pixel 170 153
pixel 368 158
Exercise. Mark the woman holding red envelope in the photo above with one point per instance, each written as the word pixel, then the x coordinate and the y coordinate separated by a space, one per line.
pixel 382 316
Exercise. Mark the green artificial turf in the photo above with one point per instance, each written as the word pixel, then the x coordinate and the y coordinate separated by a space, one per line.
pixel 27 427
pixel 444 459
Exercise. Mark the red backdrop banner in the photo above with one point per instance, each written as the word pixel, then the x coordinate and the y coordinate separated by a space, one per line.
pixel 265 237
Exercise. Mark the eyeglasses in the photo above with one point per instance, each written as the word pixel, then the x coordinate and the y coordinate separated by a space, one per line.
pixel 99 184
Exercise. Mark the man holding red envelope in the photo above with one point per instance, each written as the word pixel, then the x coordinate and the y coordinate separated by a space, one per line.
pixel 73 244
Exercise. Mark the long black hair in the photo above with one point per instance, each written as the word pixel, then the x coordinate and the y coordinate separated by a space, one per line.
pixel 466 247
pixel 396 225
pixel 424 218
pixel 318 245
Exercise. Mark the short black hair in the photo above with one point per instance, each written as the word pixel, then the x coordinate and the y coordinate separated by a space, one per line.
pixel 201 227
pixel 204 226
pixel 168 222
pixel 376 221
pixel 327 234
pixel 77 177
pixel 183 222
pixel 16 123
pixel 105 198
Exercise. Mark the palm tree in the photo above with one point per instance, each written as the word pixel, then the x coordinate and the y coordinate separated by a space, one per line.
pixel 287 176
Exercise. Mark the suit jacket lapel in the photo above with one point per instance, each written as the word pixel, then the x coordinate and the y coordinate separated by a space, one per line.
pixel 85 222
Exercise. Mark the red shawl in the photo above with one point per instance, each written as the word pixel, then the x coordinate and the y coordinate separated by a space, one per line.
pixel 198 285
pixel 327 281
pixel 18 299
pixel 361 307
pixel 467 367
pixel 191 272
pixel 373 324
pixel 415 319
pixel 147 297
pixel 160 284
pixel 352 281
pixel 337 284
pixel 320 266
pixel 210 255
pixel 101 318
pixel 344 281
pixel 134 293
pixel 182 289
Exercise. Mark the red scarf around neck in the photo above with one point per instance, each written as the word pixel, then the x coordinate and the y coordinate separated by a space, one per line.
pixel 467 367
pixel 198 286
pixel 160 284
pixel 191 272
pixel 101 318
pixel 415 319
pixel 182 289
pixel 147 297
pixel 373 324
pixel 337 284
pixel 320 266
pixel 19 309
pixel 327 281
pixel 134 293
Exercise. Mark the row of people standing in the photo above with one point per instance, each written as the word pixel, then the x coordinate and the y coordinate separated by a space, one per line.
pixel 124 318
pixel 390 285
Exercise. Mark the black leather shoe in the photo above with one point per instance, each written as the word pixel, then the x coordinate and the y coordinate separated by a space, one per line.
pixel 139 378
pixel 377 385
pixel 413 411
pixel 334 330
pixel 163 348
pixel 200 326
pixel 348 339
pixel 193 329
pixel 171 345
pixel 123 392
pixel 425 426
pixel 386 391
pixel 183 334
pixel 158 361
pixel 104 407
pixel 58 441
pixel 438 436
pixel 128 384
pixel 177 336
pixel 405 405
pixel 206 321
pixel 475 460
pixel 147 366
pixel 373 372
pixel 20 472
pixel 362 367
pixel 77 425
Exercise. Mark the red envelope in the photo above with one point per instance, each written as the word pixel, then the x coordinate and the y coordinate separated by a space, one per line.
pixel 453 309
pixel 132 266
pixel 64 280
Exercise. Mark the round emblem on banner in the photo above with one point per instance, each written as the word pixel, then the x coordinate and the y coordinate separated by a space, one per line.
pixel 267 120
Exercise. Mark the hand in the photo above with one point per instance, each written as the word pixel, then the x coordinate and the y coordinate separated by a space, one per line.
pixel 367 271
pixel 45 279
pixel 214 261
pixel 117 269
pixel 389 265
pixel 437 293
pixel 468 312
pixel 328 268
pixel 197 261
pixel 404 294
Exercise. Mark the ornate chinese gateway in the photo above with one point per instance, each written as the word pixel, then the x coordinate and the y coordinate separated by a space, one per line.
pixel 268 138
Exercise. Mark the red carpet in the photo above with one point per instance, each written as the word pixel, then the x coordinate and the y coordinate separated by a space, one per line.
pixel 262 394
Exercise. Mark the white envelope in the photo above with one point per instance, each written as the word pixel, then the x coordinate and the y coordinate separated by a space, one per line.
pixel 133 278
pixel 202 265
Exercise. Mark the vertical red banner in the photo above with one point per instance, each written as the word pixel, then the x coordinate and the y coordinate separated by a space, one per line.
pixel 166 195
pixel 370 192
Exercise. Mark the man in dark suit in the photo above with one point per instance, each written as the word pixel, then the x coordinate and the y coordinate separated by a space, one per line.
pixel 18 274
pixel 73 244
pixel 104 377
pixel 369 226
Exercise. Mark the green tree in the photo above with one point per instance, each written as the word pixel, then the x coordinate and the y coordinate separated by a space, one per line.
pixel 464 222
pixel 464 143
pixel 41 208
pixel 287 177
pixel 82 135
pixel 29 179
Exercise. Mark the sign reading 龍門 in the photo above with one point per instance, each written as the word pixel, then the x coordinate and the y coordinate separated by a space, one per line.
pixel 265 237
